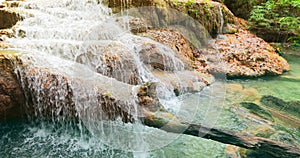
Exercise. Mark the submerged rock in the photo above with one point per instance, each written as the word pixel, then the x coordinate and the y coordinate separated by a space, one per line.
pixel 245 94
pixel 290 107
pixel 257 110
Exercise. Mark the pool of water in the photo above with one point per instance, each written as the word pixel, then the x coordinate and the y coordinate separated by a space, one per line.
pixel 22 138
pixel 286 86
pixel 26 139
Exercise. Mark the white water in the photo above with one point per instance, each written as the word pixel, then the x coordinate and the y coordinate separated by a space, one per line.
pixel 70 38
pixel 221 20
pixel 57 34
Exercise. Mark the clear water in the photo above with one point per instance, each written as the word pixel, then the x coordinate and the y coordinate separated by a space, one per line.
pixel 70 139
pixel 23 139
pixel 285 86
pixel 47 139
pixel 68 38
pixel 61 34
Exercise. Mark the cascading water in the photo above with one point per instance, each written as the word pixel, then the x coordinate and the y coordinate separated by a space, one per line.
pixel 80 40
pixel 221 20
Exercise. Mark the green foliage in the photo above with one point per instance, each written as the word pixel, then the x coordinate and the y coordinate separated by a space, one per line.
pixel 189 4
pixel 295 41
pixel 280 15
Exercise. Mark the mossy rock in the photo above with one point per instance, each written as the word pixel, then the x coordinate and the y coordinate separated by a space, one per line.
pixel 214 16
pixel 258 110
pixel 290 107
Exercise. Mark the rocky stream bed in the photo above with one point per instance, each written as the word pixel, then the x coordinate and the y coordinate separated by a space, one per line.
pixel 80 79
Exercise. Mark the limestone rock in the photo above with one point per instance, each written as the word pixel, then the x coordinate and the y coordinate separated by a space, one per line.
pixel 183 48
pixel 194 77
pixel 115 104
pixel 9 16
pixel 245 55
pixel 44 91
pixel 185 81
pixel 212 15
pixel 12 98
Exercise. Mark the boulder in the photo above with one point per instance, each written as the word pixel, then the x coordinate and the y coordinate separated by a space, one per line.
pixel 244 55
pixel 113 60
pixel 194 77
pixel 184 49
pixel 46 91
pixel 290 107
pixel 12 98
pixel 147 57
pixel 36 86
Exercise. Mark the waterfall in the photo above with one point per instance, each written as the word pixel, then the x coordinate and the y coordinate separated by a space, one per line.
pixel 77 40
pixel 83 51
pixel 221 20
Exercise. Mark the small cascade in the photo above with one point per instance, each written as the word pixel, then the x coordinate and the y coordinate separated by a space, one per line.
pixel 86 33
pixel 83 72
pixel 75 43
pixel 221 20
pixel 78 54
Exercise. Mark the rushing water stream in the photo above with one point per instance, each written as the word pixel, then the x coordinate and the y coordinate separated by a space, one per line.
pixel 68 36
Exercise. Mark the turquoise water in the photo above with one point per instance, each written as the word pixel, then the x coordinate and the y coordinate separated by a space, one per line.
pixel 23 138
pixel 286 87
